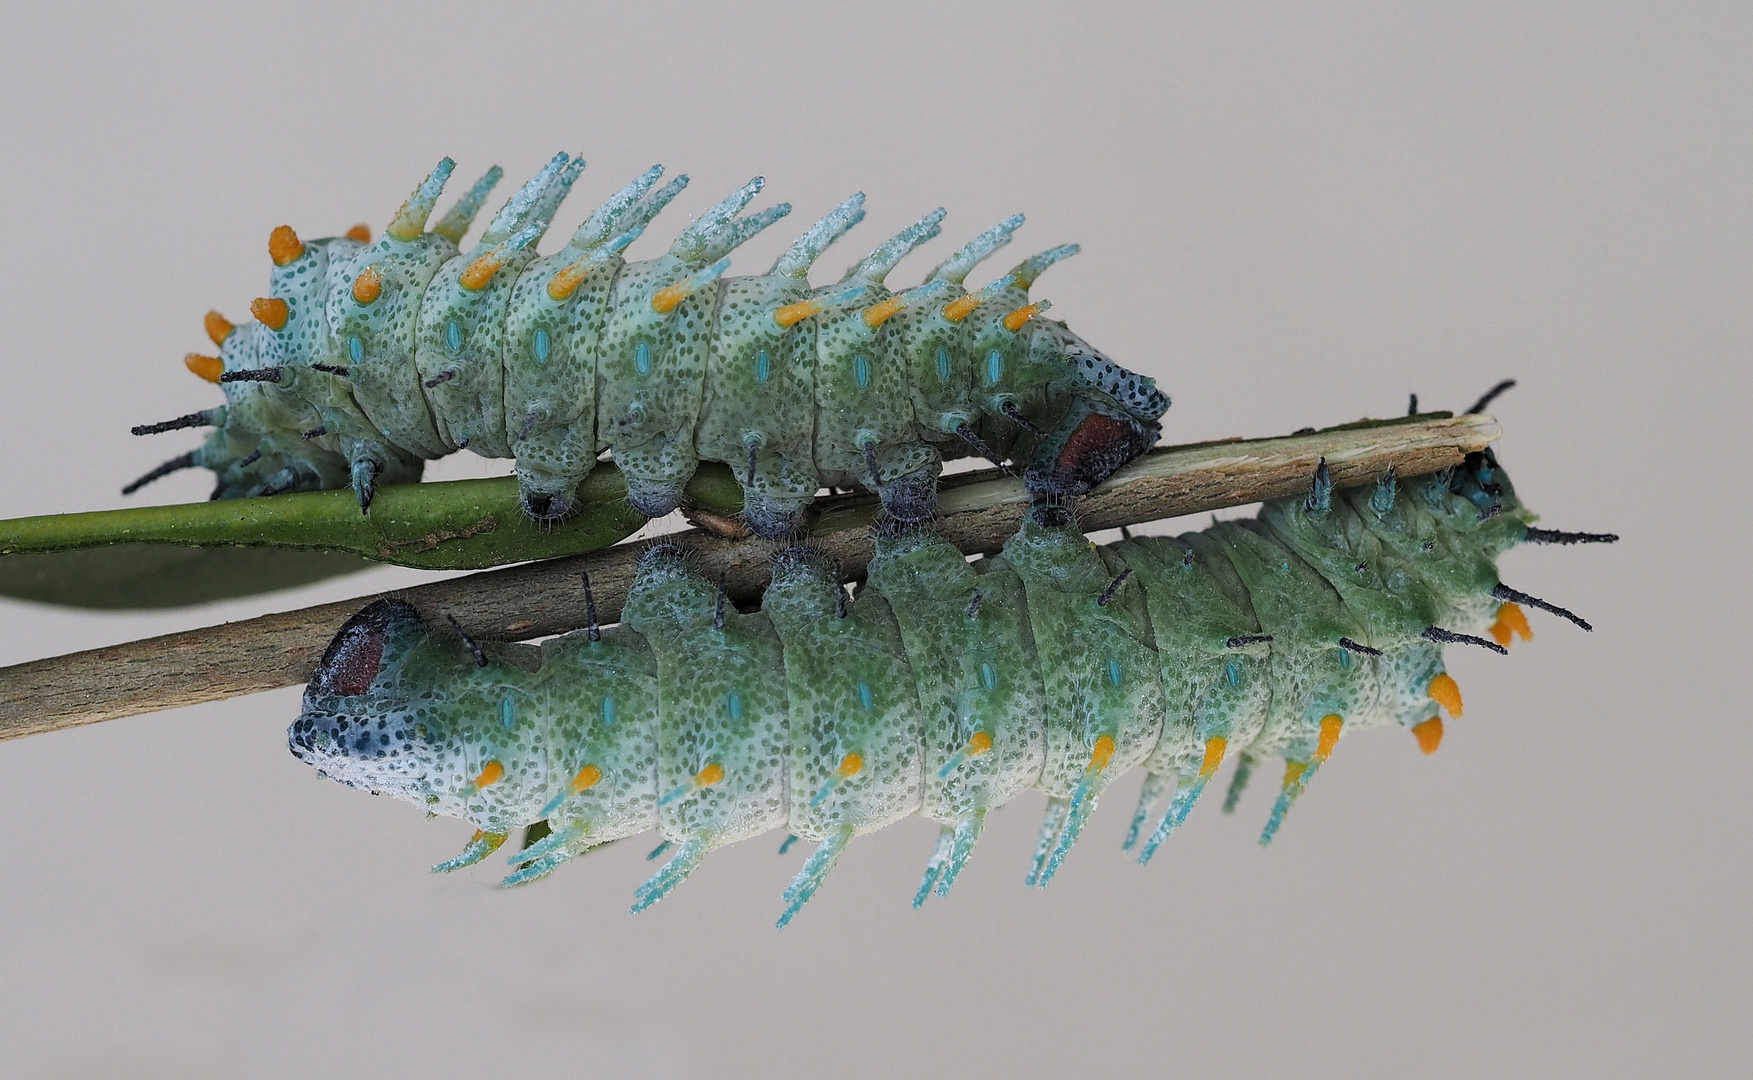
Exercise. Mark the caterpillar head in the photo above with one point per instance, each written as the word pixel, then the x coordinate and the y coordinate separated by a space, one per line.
pixel 358 726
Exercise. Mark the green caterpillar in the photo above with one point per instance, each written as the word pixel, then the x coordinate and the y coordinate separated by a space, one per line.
pixel 946 688
pixel 367 359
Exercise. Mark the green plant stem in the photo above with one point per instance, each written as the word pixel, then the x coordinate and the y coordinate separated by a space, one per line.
pixel 538 599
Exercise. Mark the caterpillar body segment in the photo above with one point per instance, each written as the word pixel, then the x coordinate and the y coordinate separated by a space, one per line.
pixel 946 688
pixel 368 358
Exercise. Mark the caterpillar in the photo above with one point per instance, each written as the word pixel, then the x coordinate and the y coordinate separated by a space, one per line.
pixel 945 688
pixel 368 358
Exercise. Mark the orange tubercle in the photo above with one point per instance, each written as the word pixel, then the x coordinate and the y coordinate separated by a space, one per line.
pixel 360 232
pixel 1293 771
pixel 1329 738
pixel 1215 748
pixel 1102 754
pixel 877 314
pixel 664 300
pixel 587 778
pixel 368 286
pixel 1015 320
pixel 957 310
pixel 218 327
pixel 850 765
pixel 792 314
pixel 563 284
pixel 271 312
pixel 491 774
pixel 1429 734
pixel 284 245
pixel 1445 692
pixel 979 744
pixel 1511 622
pixel 710 775
pixel 477 274
pixel 207 367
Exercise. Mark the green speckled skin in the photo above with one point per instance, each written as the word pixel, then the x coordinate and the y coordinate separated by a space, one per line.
pixel 1098 662
pixel 427 365
pixel 387 384
pixel 603 700
pixel 1197 602
pixel 947 688
pixel 851 691
pixel 975 669
pixel 461 339
pixel 761 391
pixel 722 701
pixel 651 376
pixel 550 363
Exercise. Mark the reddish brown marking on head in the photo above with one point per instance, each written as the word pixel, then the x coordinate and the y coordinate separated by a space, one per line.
pixel 351 661
pixel 1095 449
pixel 1096 439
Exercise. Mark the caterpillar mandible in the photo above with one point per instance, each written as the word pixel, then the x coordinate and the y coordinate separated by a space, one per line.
pixel 946 688
pixel 367 359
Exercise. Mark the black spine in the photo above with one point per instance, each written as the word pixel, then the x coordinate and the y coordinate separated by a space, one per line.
pixel 475 652
pixel 204 418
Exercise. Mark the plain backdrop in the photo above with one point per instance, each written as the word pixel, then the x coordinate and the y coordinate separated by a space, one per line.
pixel 1290 215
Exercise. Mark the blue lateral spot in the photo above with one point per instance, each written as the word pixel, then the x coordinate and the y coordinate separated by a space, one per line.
pixel 943 365
pixel 988 676
pixel 865 697
pixel 861 370
pixel 1114 672
pixel 994 366
pixel 1233 674
pixel 539 346
pixel 508 713
pixel 735 702
pixel 608 712
pixel 355 349
pixel 453 336
pixel 1345 658
pixel 763 366
pixel 642 358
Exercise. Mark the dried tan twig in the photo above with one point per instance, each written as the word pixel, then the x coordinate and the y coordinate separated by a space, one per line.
pixel 979 511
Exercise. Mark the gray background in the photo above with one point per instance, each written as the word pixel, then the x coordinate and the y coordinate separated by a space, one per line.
pixel 1288 216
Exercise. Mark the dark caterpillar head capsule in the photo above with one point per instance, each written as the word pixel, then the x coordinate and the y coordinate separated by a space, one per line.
pixel 356 728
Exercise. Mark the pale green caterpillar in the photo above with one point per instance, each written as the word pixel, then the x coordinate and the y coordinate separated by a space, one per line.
pixel 946 688
pixel 366 359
